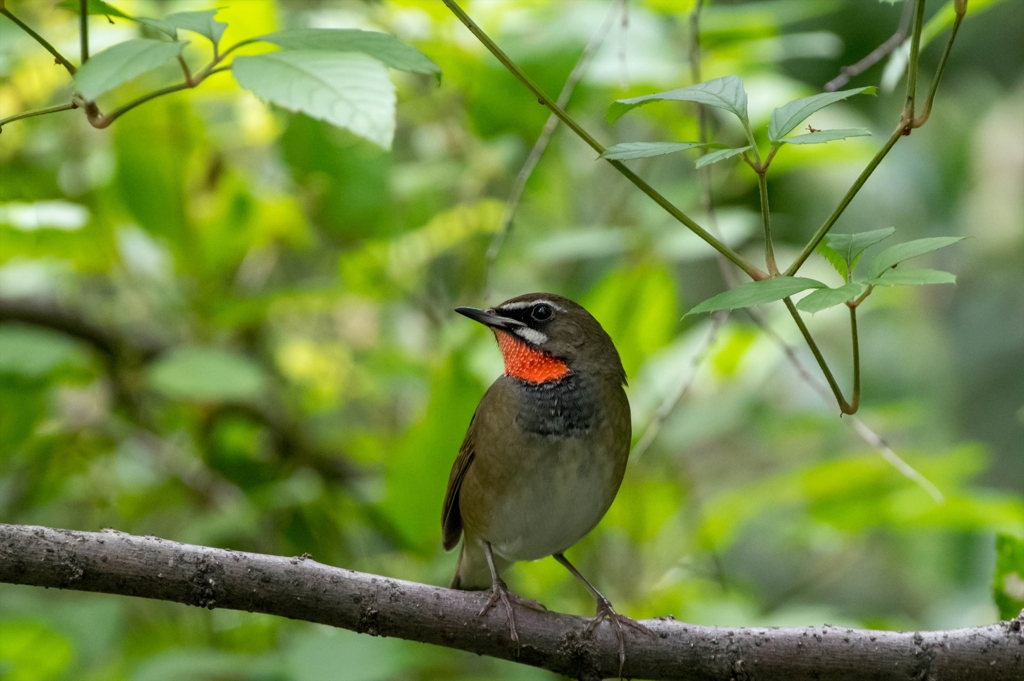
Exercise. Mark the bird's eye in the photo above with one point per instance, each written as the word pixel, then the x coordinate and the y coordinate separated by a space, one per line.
pixel 541 312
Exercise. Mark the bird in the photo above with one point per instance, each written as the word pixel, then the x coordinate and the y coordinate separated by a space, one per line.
pixel 544 454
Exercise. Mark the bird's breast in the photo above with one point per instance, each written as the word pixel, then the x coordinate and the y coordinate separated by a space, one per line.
pixel 566 407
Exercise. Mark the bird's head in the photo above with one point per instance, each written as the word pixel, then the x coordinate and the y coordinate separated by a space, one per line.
pixel 544 337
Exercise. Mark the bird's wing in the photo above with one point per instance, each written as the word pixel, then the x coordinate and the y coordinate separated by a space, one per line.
pixel 451 516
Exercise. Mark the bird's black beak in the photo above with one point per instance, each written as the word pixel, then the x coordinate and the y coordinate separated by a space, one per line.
pixel 489 318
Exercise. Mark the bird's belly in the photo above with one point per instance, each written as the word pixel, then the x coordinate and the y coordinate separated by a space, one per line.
pixel 561 495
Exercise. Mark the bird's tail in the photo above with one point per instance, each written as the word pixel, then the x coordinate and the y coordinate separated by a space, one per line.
pixel 472 572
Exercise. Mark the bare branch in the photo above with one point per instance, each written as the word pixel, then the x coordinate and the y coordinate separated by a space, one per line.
pixel 876 55
pixel 302 589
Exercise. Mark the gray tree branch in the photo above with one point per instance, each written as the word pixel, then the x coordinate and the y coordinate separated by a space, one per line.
pixel 302 589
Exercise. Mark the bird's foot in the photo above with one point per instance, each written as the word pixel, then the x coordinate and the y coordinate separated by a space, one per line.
pixel 605 611
pixel 500 592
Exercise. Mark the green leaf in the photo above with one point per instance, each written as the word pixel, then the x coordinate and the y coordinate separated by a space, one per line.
pixel 33 352
pixel 1008 580
pixel 383 47
pixel 823 136
pixel 724 93
pixel 347 89
pixel 202 23
pixel 756 293
pixel 206 374
pixel 913 278
pixel 785 119
pixel 160 25
pixel 121 62
pixel 93 7
pixel 849 247
pixel 716 156
pixel 894 255
pixel 631 150
pixel 834 259
pixel 824 298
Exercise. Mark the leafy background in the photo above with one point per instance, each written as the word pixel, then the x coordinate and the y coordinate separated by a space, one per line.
pixel 288 376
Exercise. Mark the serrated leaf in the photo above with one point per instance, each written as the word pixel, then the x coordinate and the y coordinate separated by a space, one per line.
pixel 834 259
pixel 383 47
pixel 121 62
pixel 158 25
pixel 205 374
pixel 716 156
pixel 631 150
pixel 823 136
pixel 348 89
pixel 850 247
pixel 785 119
pixel 824 298
pixel 724 93
pixel 93 7
pixel 905 251
pixel 202 23
pixel 1008 578
pixel 756 293
pixel 913 278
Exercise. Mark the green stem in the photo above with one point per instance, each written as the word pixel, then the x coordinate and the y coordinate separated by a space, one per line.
pixel 741 262
pixel 39 39
pixel 105 120
pixel 769 249
pixel 844 406
pixel 37 112
pixel 865 174
pixel 915 58
pixel 923 118
pixel 83 28
pixel 855 404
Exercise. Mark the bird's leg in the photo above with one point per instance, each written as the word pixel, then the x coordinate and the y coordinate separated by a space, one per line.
pixel 500 592
pixel 605 611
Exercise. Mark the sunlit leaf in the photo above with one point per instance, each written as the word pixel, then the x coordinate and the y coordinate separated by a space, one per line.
pixel 93 7
pixel 757 292
pixel 631 150
pixel 785 119
pixel 1008 579
pixel 206 374
pixel 913 278
pixel 383 47
pixel 202 23
pixel 716 156
pixel 824 298
pixel 121 62
pixel 911 249
pixel 347 89
pixel 823 136
pixel 724 93
pixel 849 247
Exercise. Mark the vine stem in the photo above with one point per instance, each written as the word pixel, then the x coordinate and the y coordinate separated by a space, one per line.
pixel 39 39
pixel 923 118
pixel 83 28
pixel 855 404
pixel 769 249
pixel 103 121
pixel 754 272
pixel 844 406
pixel 37 112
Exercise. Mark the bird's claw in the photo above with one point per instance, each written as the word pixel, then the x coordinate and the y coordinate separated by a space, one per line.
pixel 500 592
pixel 605 611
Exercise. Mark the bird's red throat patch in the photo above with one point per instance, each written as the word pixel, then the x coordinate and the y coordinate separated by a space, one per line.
pixel 527 363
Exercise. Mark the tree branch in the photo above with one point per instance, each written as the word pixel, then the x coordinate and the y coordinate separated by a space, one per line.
pixel 302 589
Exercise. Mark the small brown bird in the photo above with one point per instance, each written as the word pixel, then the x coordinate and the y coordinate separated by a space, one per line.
pixel 545 452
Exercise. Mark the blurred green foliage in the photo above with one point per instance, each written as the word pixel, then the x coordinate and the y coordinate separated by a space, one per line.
pixel 276 366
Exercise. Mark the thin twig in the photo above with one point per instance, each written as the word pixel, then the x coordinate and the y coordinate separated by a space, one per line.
pixel 106 119
pixel 541 145
pixel 37 112
pixel 876 55
pixel 39 39
pixel 923 118
pixel 741 262
pixel 83 28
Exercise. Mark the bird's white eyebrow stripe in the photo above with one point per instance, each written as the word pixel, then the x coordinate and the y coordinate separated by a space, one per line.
pixel 520 304
pixel 531 335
